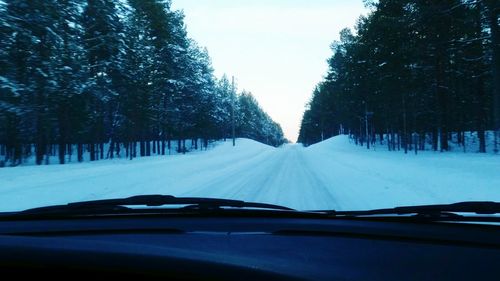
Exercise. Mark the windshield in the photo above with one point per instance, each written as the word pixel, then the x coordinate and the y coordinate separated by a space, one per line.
pixel 312 105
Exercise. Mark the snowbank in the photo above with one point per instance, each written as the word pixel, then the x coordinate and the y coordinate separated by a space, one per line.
pixel 333 174
pixel 378 178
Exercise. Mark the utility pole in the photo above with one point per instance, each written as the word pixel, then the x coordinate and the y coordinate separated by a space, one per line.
pixel 233 94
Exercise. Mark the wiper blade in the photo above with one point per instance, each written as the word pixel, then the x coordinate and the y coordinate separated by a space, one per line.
pixel 438 210
pixel 117 205
pixel 477 207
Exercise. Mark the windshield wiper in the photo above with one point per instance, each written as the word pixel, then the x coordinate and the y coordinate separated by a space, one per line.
pixel 428 211
pixel 454 212
pixel 120 205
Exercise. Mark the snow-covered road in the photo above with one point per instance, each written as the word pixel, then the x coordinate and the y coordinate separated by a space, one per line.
pixel 331 175
pixel 281 176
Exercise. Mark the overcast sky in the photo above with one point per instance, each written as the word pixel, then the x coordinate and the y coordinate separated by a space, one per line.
pixel 276 49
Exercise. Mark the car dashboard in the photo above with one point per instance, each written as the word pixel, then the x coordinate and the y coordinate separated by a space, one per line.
pixel 249 248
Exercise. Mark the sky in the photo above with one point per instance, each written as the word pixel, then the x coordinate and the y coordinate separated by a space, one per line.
pixel 275 49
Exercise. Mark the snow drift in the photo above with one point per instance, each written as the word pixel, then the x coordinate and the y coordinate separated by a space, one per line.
pixel 333 174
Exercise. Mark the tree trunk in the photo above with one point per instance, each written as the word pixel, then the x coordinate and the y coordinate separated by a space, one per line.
pixel 148 148
pixel 101 150
pixel 126 145
pixel 70 152
pixel 39 148
pixel 142 148
pixel 435 139
pixel 494 10
pixel 421 141
pixel 481 118
pixel 399 141
pixel 388 140
pixel 79 152
pixel 482 140
pixel 443 110
pixel 118 150
pixel 61 152
pixel 482 107
pixel 92 152
pixel 47 155
pixel 134 149
pixel 406 144
pixel 111 150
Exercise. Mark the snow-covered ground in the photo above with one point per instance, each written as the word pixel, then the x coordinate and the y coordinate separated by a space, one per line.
pixel 333 174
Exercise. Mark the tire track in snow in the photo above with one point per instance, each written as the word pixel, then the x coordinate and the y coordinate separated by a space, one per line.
pixel 234 182
pixel 281 177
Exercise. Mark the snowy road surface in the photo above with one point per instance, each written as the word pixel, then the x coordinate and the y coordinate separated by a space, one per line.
pixel 331 175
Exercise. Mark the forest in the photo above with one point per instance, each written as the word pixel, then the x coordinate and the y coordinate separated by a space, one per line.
pixel 107 79
pixel 412 75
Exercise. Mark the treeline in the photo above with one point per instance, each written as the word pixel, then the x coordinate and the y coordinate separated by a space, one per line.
pixel 77 76
pixel 253 123
pixel 413 73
